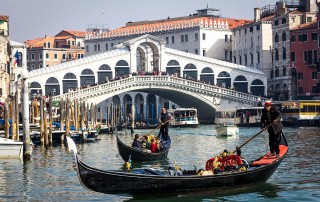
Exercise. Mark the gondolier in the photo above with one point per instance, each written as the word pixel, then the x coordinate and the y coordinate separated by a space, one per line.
pixel 164 120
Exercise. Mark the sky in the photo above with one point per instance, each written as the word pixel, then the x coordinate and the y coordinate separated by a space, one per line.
pixel 30 19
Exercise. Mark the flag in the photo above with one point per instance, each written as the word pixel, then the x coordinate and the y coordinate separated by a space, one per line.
pixel 16 58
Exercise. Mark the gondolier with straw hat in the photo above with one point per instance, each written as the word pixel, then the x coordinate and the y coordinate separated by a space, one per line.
pixel 271 115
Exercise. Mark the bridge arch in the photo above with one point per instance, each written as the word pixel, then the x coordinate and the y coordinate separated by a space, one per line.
pixel 190 71
pixel 104 73
pixel 140 105
pixel 35 88
pixel 173 67
pixel 69 82
pixel 207 75
pixel 87 78
pixel 257 88
pixel 224 79
pixel 121 68
pixel 52 86
pixel 241 84
pixel 127 100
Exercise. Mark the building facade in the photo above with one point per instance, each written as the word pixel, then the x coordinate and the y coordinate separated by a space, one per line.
pixel 4 57
pixel 48 51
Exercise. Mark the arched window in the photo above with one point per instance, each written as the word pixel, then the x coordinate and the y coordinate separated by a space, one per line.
pixel 284 36
pixel 276 38
pixel 69 76
pixel 276 74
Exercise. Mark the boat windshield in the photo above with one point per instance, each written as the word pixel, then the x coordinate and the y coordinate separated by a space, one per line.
pixel 225 114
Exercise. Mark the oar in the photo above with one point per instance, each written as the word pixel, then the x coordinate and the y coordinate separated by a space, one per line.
pixel 157 127
pixel 253 137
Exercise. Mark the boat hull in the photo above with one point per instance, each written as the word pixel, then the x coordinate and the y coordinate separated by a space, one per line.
pixel 10 148
pixel 227 130
pixel 137 154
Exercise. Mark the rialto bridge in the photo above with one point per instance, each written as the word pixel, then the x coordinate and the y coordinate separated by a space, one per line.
pixel 189 80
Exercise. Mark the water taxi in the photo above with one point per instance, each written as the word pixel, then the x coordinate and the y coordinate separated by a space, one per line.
pixel 184 117
pixel 225 122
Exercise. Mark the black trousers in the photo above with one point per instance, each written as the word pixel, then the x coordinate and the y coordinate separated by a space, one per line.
pixel 274 142
pixel 164 131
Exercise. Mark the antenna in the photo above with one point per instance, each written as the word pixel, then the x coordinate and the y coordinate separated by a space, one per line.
pixel 207 5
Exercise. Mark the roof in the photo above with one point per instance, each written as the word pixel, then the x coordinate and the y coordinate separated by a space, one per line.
pixel 4 18
pixel 309 25
pixel 36 43
pixel 75 33
pixel 170 24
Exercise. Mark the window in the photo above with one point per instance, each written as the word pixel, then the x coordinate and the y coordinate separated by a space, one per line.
pixel 87 48
pixel 111 45
pixel 305 56
pixel 204 36
pixel 33 67
pixel 73 43
pixel 107 46
pixel 276 54
pixel 284 71
pixel 300 76
pixel 182 38
pixel 245 60
pixel 284 20
pixel 258 57
pixel 40 56
pixel 98 47
pixel 276 23
pixel 69 43
pixel 251 58
pixel 167 40
pixel 251 29
pixel 55 56
pixel 315 56
pixel 314 36
pixel 63 56
pixel 226 55
pixel 258 27
pixel 300 90
pixel 79 56
pixel 70 56
pixel 196 36
pixel 226 37
pixel 235 59
pixel 293 38
pixel 32 56
pixel 314 75
pixel 95 47
pixel 314 90
pixel 303 37
pixel 186 38
pixel 230 38
pixel 196 51
pixel 44 45
pixel 230 55
pixel 276 37
pixel 284 36
pixel 204 52
pixel 284 53
pixel 240 60
pixel 309 19
pixel 172 39
pixel 48 44
pixel 293 56
pixel 47 55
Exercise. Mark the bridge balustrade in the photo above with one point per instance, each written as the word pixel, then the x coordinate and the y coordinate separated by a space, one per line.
pixel 158 80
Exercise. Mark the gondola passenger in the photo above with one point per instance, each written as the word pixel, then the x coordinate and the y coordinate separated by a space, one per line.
pixel 153 146
pixel 136 142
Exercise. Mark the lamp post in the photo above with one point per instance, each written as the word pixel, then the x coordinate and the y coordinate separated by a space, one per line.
pixel 25 113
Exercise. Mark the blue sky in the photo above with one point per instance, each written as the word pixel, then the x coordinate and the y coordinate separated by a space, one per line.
pixel 31 19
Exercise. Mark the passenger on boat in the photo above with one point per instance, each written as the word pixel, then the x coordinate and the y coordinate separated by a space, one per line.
pixel 164 120
pixel 153 146
pixel 136 142
pixel 159 144
pixel 271 114
pixel 145 143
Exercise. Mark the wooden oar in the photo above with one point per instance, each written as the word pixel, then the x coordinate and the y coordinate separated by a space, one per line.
pixel 254 136
pixel 158 127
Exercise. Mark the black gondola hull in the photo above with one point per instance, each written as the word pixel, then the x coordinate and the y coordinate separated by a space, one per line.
pixel 139 155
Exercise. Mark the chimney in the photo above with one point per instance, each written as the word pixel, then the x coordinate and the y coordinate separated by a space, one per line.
pixel 257 14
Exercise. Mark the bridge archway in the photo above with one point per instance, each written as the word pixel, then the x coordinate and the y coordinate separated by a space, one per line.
pixel 69 82
pixel 241 84
pixel 257 87
pixel 190 71
pixel 121 68
pixel 35 88
pixel 104 73
pixel 207 75
pixel 87 78
pixel 173 67
pixel 224 79
pixel 52 86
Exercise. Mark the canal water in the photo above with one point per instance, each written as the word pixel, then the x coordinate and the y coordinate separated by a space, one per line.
pixel 50 175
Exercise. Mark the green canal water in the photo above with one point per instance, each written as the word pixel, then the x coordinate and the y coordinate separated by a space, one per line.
pixel 50 175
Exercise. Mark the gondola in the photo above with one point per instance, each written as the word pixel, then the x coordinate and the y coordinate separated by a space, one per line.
pixel 137 154
pixel 150 180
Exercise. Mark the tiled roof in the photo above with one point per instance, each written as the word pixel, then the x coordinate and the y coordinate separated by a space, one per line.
pixel 76 33
pixel 63 37
pixel 4 18
pixel 309 25
pixel 166 25
pixel 36 43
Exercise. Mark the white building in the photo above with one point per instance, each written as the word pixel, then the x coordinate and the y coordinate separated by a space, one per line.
pixel 205 33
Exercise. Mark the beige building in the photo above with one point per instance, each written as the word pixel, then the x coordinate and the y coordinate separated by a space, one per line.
pixel 4 57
